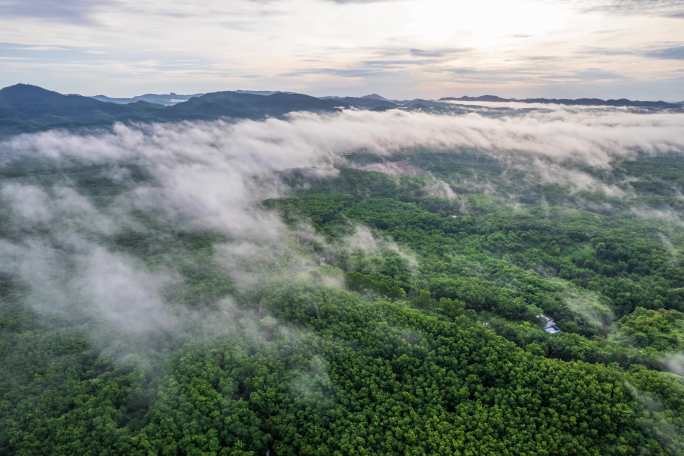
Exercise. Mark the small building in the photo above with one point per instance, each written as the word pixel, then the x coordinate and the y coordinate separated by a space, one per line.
pixel 550 325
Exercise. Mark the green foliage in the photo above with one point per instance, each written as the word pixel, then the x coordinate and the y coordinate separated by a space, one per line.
pixel 433 347
pixel 660 330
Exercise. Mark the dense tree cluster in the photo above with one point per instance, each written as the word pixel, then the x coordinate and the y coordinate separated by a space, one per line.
pixel 432 343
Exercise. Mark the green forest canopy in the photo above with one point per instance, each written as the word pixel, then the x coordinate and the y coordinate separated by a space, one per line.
pixel 428 343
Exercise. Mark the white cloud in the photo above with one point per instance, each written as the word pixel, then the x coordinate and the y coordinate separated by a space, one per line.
pixel 102 45
pixel 215 175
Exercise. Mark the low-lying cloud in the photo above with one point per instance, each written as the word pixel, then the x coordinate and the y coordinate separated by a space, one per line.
pixel 214 177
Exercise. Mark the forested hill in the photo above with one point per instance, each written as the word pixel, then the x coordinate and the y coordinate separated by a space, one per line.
pixel 624 102
pixel 25 108
pixel 245 105
pixel 356 282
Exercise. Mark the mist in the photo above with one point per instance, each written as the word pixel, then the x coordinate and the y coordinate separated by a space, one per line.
pixel 213 177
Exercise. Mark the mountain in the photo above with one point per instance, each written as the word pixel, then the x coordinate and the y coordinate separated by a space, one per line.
pixel 245 105
pixel 169 99
pixel 373 102
pixel 375 96
pixel 26 108
pixel 572 101
pixel 430 106
pixel 480 98
pixel 106 99
pixel 261 92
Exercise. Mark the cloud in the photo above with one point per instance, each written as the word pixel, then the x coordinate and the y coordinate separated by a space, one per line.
pixel 443 52
pixel 75 278
pixel 527 72
pixel 226 155
pixel 610 51
pixel 397 63
pixel 667 216
pixel 670 53
pixel 307 139
pixel 385 62
pixel 357 72
pixel 57 208
pixel 95 58
pixel 83 11
pixel 351 2
pixel 588 306
pixel 213 177
pixel 675 363
pixel 411 39
pixel 665 53
pixel 71 11
pixel 666 8
pixel 596 74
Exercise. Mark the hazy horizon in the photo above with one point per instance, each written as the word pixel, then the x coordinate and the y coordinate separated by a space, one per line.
pixel 399 48
pixel 504 100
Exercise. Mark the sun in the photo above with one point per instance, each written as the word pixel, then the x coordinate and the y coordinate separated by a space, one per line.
pixel 485 23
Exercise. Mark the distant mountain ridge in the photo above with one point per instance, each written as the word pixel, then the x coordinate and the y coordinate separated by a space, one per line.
pixel 170 99
pixel 374 96
pixel 245 105
pixel 164 99
pixel 372 101
pixel 571 101
pixel 26 108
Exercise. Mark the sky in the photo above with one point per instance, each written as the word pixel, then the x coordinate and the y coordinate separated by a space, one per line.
pixel 398 48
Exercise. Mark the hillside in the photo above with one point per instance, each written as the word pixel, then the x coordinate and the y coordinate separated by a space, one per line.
pixel 245 105
pixel 344 282
pixel 26 108
pixel 573 102
pixel 160 99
